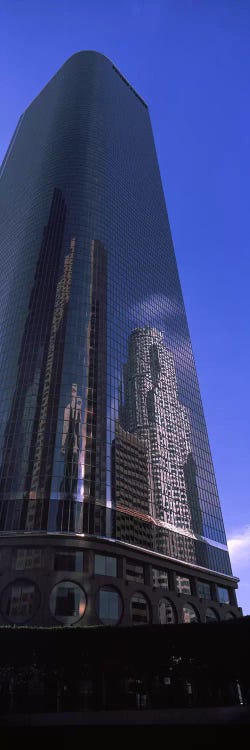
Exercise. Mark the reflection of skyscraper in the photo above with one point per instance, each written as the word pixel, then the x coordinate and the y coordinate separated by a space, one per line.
pixel 131 488
pixel 44 438
pixel 94 427
pixel 105 466
pixel 152 411
pixel 30 432
pixel 71 441
pixel 130 471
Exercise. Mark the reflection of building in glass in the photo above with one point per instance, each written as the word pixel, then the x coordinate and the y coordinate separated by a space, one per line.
pixel 94 423
pixel 20 603
pixel 71 441
pixel 152 412
pixel 31 429
pixel 190 473
pixel 130 471
pixel 84 435
pixel 44 438
pixel 67 602
pixel 131 488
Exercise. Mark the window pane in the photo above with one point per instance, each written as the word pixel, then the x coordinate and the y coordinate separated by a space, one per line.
pixel 189 614
pixel 166 612
pixel 67 602
pixel 204 590
pixel 20 601
pixel 105 565
pixel 211 615
pixel 183 585
pixel 134 572
pixel 109 606
pixel 68 560
pixel 139 609
pixel 223 595
pixel 27 558
pixel 160 578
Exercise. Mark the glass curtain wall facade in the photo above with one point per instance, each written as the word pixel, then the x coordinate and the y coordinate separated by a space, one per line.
pixel 102 426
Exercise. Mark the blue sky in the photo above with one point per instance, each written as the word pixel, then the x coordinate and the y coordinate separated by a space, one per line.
pixel 190 60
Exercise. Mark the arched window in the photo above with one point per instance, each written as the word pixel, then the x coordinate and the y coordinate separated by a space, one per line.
pixel 166 612
pixel 139 609
pixel 229 616
pixel 67 602
pixel 109 605
pixel 189 614
pixel 211 615
pixel 20 600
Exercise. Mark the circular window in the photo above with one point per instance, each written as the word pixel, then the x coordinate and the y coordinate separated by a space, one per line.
pixel 67 602
pixel 189 614
pixel 109 605
pixel 139 609
pixel 229 616
pixel 211 615
pixel 166 612
pixel 20 600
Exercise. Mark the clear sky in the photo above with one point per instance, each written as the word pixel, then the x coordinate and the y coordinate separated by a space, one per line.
pixel 190 60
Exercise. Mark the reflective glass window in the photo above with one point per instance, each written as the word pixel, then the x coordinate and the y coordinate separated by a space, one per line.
pixel 109 605
pixel 211 615
pixel 166 612
pixel 223 595
pixel 134 572
pixel 20 601
pixel 67 559
pixel 139 609
pixel 26 558
pixel 183 585
pixel 160 578
pixel 67 602
pixel 189 614
pixel 105 565
pixel 203 590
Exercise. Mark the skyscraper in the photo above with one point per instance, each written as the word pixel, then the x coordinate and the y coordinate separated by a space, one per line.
pixel 109 510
